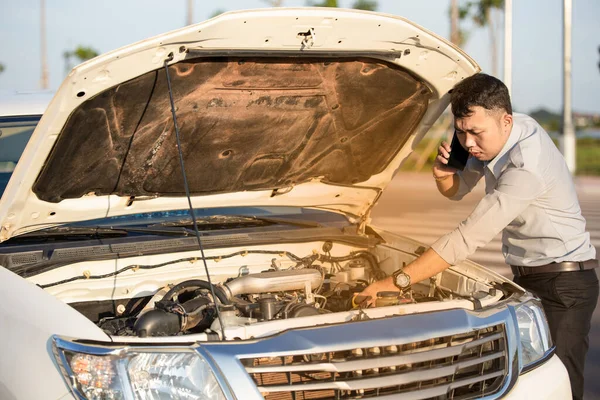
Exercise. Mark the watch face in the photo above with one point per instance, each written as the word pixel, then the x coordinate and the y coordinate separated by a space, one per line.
pixel 402 280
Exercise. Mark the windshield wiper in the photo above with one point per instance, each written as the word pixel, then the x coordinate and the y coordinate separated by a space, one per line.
pixel 167 228
pixel 175 231
pixel 98 232
pixel 289 221
pixel 241 220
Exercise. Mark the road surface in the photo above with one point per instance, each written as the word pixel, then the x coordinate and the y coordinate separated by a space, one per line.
pixel 411 206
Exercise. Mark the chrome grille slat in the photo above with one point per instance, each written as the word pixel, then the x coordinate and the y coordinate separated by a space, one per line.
pixel 465 365
pixel 384 381
pixel 440 390
pixel 381 362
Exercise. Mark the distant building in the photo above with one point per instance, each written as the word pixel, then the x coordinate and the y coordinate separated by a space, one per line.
pixel 585 120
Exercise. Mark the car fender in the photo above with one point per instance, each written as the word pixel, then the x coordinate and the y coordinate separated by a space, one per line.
pixel 28 318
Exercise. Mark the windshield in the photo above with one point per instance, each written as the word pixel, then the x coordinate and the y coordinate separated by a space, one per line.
pixel 15 132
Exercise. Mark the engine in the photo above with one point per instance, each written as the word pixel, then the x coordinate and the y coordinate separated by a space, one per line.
pixel 318 285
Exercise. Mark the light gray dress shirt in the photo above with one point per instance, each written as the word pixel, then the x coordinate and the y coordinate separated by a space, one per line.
pixel 530 197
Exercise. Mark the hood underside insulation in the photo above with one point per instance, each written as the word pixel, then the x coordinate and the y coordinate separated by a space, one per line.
pixel 246 124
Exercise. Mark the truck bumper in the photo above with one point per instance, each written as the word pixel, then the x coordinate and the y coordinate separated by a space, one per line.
pixel 548 381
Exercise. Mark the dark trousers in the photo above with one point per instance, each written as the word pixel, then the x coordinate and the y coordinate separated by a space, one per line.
pixel 569 300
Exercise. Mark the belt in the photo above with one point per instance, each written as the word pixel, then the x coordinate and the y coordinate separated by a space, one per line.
pixel 565 266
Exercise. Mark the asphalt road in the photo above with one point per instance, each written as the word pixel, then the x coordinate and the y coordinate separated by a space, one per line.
pixel 411 206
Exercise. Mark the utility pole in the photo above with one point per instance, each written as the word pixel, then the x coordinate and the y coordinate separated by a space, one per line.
pixel 190 12
pixel 44 78
pixel 568 142
pixel 508 44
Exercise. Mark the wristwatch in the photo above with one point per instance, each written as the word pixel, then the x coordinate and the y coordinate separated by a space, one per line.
pixel 401 279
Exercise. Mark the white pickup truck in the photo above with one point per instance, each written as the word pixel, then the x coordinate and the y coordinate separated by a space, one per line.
pixel 125 278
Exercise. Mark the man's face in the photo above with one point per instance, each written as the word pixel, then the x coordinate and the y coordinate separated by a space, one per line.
pixel 484 132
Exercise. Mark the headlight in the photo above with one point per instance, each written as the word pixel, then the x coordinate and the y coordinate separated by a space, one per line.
pixel 137 373
pixel 534 334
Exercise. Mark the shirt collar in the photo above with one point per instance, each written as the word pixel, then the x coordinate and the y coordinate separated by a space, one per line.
pixel 496 165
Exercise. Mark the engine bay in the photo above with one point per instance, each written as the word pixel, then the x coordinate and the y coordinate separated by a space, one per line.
pixel 319 286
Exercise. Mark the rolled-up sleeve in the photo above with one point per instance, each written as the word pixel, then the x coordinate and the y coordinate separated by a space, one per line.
pixel 468 178
pixel 516 189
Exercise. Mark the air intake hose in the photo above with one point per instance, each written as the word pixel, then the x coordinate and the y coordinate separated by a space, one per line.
pixel 196 283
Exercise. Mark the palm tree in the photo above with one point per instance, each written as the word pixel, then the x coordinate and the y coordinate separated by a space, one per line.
pixel 458 13
pixel 369 5
pixel 482 16
pixel 458 36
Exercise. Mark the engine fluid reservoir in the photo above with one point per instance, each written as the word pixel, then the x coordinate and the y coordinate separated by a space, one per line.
pixel 387 299
pixel 357 272
pixel 343 277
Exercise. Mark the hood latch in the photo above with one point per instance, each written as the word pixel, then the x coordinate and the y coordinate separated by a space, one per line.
pixel 308 38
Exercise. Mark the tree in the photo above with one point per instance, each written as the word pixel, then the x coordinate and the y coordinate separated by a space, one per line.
pixel 482 16
pixel 369 5
pixel 324 3
pixel 458 36
pixel 458 13
pixel 274 3
pixel 84 53
pixel 81 54
pixel 1 68
pixel 218 11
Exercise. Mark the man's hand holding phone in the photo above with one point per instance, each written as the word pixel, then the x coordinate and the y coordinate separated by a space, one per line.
pixel 450 159
pixel 441 170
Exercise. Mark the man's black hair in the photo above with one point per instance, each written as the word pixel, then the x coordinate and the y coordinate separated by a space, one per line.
pixel 479 90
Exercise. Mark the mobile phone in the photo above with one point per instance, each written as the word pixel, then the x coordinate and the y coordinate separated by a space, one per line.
pixel 458 156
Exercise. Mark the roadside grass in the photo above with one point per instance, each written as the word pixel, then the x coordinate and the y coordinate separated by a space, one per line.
pixel 588 157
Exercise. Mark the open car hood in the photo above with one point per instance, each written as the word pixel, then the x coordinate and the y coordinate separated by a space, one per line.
pixel 298 107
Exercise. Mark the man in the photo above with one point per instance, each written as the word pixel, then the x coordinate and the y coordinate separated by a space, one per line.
pixel 531 198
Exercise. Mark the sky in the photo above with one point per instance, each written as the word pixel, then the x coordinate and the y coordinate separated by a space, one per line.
pixel 109 24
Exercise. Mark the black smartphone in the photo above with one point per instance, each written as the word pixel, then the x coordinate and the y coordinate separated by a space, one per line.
pixel 458 156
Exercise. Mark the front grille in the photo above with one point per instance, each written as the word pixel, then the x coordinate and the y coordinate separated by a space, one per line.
pixel 462 366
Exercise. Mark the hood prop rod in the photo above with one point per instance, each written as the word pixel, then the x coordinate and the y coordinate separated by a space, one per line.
pixel 187 193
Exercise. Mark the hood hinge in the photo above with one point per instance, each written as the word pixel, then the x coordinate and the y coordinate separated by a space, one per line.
pixel 363 222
